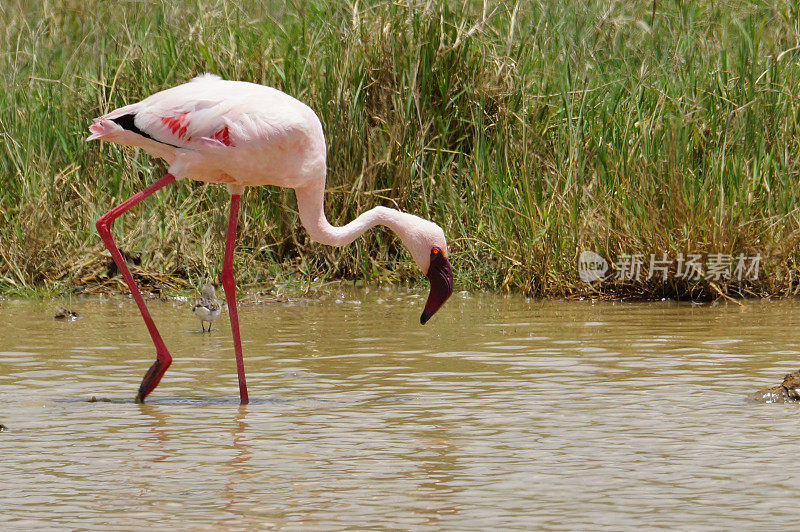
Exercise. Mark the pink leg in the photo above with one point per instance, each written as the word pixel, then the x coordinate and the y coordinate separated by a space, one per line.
pixel 163 359
pixel 229 284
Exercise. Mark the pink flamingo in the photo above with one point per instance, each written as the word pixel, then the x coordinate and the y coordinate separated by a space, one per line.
pixel 243 134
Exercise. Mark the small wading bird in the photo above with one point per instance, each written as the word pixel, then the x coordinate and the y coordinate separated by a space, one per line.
pixel 243 134
pixel 208 307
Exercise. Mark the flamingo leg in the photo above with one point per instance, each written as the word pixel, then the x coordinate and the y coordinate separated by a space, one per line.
pixel 229 284
pixel 163 358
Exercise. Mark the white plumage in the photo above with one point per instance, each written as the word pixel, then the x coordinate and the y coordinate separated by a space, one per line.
pixel 224 132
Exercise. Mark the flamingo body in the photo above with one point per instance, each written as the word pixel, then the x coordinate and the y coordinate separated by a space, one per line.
pixel 222 131
pixel 244 134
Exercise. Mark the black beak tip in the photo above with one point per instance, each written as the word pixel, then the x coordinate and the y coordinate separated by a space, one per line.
pixel 424 318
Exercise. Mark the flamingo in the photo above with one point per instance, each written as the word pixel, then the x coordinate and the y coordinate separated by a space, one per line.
pixel 243 134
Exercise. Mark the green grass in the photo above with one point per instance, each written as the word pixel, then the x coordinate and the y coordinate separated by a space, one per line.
pixel 530 131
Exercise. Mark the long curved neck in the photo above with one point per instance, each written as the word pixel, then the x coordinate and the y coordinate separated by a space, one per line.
pixel 311 206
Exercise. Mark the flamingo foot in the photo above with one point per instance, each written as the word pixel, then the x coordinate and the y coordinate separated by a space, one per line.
pixel 152 378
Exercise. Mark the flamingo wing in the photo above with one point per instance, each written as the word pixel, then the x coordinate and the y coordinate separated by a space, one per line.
pixel 186 124
pixel 186 116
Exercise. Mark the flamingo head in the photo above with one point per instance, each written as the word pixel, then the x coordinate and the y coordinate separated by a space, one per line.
pixel 428 246
pixel 440 275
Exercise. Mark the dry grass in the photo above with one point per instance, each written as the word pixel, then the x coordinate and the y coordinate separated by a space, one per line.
pixel 530 131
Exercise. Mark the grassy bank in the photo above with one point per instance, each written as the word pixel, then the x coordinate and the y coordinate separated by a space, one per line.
pixel 530 131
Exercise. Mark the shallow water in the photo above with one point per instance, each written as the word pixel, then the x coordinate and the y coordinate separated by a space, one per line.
pixel 500 413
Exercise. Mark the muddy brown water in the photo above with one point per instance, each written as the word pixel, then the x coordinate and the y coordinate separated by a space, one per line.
pixel 501 413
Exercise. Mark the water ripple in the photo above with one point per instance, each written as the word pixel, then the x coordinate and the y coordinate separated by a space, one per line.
pixel 501 413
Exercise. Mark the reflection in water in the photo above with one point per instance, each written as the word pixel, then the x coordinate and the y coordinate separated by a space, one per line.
pixel 157 442
pixel 500 413
pixel 162 448
pixel 237 476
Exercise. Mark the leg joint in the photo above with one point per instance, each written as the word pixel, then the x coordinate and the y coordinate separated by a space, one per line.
pixel 103 225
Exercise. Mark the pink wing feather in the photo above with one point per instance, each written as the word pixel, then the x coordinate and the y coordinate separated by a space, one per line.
pixel 174 122
pixel 181 117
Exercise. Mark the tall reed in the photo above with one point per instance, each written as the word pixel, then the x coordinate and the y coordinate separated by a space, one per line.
pixel 530 131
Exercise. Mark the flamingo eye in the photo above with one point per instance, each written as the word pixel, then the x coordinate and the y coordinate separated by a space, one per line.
pixel 435 251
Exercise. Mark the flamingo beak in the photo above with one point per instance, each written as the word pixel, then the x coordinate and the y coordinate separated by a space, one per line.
pixel 440 274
